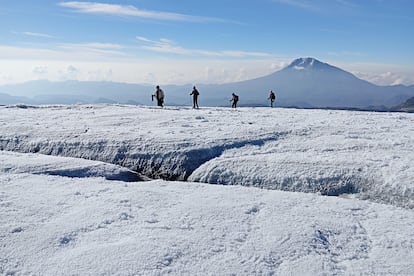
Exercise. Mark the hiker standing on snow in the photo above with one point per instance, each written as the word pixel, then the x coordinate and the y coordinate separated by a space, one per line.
pixel 272 98
pixel 235 99
pixel 159 95
pixel 195 94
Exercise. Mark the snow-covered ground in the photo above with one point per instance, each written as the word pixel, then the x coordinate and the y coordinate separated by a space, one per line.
pixel 72 216
pixel 367 154
pixel 58 225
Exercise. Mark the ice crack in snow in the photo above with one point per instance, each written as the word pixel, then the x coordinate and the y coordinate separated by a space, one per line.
pixel 326 152
pixel 169 165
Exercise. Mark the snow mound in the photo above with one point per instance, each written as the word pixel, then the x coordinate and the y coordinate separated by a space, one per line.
pixel 11 162
pixel 284 172
pixel 327 172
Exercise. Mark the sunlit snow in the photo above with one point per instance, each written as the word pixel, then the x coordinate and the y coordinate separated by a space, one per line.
pixel 66 215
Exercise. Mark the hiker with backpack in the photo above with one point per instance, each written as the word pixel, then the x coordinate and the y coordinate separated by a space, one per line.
pixel 272 98
pixel 195 94
pixel 235 99
pixel 159 95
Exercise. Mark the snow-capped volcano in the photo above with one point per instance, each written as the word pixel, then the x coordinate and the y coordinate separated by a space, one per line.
pixel 308 64
pixel 308 82
pixel 312 64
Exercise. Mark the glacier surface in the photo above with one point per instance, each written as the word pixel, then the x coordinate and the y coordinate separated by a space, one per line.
pixel 366 154
pixel 62 214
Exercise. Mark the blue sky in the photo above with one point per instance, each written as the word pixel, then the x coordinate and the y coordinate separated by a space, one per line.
pixel 191 41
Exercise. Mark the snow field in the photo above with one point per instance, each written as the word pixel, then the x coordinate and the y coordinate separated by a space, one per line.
pixel 66 215
pixel 322 151
pixel 54 225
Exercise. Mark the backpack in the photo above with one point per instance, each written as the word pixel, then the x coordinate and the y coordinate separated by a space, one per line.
pixel 160 94
pixel 272 96
pixel 236 98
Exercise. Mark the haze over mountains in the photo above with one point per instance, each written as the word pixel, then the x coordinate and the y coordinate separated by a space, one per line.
pixel 306 82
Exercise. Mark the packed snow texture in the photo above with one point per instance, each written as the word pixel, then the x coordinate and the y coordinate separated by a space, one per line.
pixel 322 151
pixel 59 225
pixel 61 214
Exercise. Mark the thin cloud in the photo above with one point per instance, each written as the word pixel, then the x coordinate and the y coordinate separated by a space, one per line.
pixel 386 78
pixel 42 35
pixel 302 4
pixel 129 10
pixel 93 48
pixel 66 51
pixel 97 45
pixel 347 3
pixel 169 47
pixel 320 6
pixel 144 39
pixel 40 70
pixel 346 54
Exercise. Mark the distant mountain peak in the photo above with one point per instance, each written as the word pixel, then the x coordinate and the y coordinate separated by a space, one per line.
pixel 307 64
pixel 304 61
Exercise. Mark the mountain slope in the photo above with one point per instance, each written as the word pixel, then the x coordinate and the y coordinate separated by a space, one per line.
pixel 71 92
pixel 8 99
pixel 408 106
